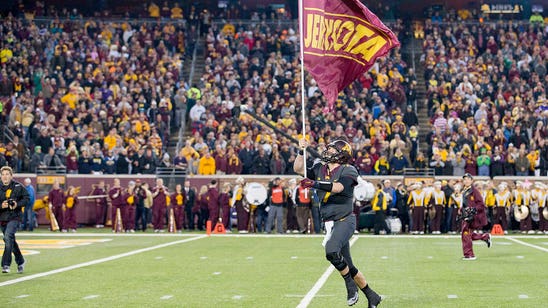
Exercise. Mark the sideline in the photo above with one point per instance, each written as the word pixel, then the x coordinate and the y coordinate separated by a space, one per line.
pixel 319 284
pixel 98 261
pixel 527 244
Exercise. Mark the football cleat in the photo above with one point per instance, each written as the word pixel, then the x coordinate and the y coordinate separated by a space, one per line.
pixel 5 269
pixel 374 301
pixel 488 241
pixel 353 298
pixel 469 258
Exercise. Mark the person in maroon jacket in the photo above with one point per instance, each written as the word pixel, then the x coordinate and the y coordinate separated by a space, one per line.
pixel 471 198
pixel 100 204
pixel 221 161
pixel 116 195
pixel 159 204
pixel 177 204
pixel 224 204
pixel 234 163
pixel 71 201
pixel 213 202
pixel 72 161
pixel 130 199
pixel 57 200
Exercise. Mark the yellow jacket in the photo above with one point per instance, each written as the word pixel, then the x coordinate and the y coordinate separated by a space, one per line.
pixel 206 166
pixel 379 201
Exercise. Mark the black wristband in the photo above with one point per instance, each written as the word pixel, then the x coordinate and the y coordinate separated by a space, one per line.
pixel 301 152
pixel 323 185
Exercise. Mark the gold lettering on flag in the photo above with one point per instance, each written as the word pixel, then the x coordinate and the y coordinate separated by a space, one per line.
pixel 339 35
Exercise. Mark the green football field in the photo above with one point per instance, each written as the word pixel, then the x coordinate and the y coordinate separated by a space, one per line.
pixel 193 270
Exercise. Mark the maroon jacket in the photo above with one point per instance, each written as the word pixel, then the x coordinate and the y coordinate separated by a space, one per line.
pixel 72 162
pixel 99 191
pixel 212 198
pixel 475 200
pixel 56 197
pixel 234 166
pixel 160 199
pixel 221 163
pixel 119 200
pixel 224 200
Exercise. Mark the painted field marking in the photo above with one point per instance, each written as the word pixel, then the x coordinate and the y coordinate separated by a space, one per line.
pixel 203 258
pixel 319 284
pixel 520 257
pixel 91 296
pixel 22 296
pixel 98 261
pixel 166 297
pixel 452 296
pixel 384 257
pixel 429 257
pixel 216 273
pixel 527 244
pixel 303 295
pixel 523 296
pixel 249 258
pixel 158 258
pixel 294 257
pixel 237 297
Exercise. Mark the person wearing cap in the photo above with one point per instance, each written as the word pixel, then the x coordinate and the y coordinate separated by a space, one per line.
pixel 37 159
pixel 436 200
pixel 471 198
pixel 540 195
pixel 523 198
pixel 503 203
pixel 416 204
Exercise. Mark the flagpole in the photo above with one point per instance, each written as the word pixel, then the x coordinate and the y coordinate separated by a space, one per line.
pixel 301 44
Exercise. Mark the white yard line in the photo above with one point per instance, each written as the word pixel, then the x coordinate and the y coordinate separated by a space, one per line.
pixel 527 244
pixel 319 284
pixel 98 261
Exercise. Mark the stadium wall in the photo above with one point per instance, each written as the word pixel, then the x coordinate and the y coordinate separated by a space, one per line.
pixel 86 209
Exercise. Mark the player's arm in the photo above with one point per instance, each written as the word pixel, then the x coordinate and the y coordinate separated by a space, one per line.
pixel 298 164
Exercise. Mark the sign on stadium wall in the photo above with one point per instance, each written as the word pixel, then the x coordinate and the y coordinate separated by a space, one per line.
pixel 501 8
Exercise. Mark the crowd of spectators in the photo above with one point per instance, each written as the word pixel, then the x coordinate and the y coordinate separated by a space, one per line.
pixel 87 94
pixel 98 96
pixel 253 71
pixel 486 96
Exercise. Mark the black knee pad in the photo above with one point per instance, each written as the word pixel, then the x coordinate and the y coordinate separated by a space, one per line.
pixel 336 259
pixel 353 271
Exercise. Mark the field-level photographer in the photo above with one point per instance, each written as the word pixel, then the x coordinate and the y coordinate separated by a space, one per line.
pixel 13 197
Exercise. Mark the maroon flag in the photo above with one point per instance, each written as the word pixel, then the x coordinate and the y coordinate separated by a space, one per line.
pixel 341 39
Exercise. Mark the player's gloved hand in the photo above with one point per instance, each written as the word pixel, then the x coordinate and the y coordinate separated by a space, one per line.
pixel 307 183
pixel 322 185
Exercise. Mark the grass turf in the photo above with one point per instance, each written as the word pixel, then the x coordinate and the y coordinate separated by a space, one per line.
pixel 249 271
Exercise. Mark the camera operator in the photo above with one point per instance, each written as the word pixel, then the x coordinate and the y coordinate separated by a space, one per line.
pixel 13 197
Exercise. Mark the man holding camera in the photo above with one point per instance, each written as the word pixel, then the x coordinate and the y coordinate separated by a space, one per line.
pixel 13 197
